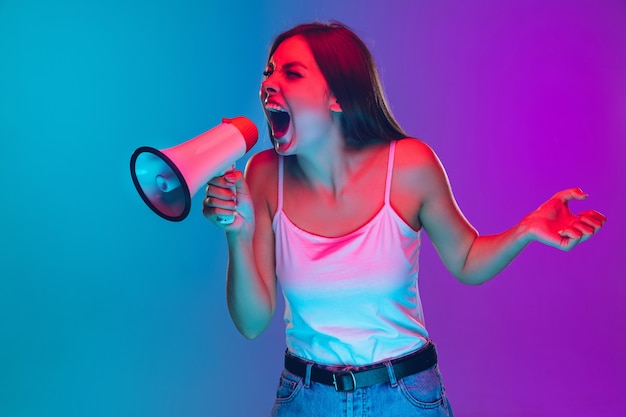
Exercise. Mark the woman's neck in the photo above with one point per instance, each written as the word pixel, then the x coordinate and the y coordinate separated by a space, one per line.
pixel 329 169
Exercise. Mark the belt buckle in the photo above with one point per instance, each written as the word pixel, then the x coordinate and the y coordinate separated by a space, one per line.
pixel 342 381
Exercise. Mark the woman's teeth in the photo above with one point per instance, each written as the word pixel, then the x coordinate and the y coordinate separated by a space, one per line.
pixel 273 107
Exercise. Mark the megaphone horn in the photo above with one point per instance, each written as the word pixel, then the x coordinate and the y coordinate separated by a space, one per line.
pixel 167 179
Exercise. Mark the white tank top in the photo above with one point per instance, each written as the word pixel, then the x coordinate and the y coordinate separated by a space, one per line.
pixel 353 299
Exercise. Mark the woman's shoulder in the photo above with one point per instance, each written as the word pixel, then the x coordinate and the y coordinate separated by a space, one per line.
pixel 263 162
pixel 413 152
pixel 261 175
pixel 417 163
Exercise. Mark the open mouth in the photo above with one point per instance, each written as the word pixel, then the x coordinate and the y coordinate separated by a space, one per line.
pixel 279 120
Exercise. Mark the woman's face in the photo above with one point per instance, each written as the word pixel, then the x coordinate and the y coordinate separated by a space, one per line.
pixel 296 98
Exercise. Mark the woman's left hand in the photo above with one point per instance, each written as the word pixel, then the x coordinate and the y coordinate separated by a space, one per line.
pixel 555 225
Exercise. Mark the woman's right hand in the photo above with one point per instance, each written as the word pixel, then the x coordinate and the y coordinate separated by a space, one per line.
pixel 228 204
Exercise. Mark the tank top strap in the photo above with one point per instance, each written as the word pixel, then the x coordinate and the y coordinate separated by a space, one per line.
pixel 392 152
pixel 281 165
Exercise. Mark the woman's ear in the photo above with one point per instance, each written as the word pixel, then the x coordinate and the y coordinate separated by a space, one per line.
pixel 335 106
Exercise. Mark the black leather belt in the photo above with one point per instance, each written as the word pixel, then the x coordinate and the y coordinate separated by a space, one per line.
pixel 360 377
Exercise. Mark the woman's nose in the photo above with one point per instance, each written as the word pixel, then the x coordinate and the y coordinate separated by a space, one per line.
pixel 269 87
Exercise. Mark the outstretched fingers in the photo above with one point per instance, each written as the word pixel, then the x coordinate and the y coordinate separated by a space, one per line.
pixel 582 228
pixel 571 194
pixel 593 218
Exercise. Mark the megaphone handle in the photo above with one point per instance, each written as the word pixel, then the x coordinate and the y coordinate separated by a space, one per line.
pixel 228 219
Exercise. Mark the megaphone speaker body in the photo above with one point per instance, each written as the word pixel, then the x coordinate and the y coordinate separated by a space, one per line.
pixel 167 179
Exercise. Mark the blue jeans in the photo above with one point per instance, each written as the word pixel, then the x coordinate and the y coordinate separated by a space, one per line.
pixel 421 394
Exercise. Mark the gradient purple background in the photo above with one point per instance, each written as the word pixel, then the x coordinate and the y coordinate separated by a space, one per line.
pixel 108 310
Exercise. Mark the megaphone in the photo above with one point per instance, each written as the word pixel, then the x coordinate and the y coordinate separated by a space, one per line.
pixel 167 179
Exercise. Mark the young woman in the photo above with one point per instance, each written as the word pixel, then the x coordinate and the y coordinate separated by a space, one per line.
pixel 334 213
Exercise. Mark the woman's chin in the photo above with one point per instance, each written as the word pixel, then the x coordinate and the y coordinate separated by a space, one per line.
pixel 283 145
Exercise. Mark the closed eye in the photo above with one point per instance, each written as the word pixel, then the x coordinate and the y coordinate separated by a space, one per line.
pixel 293 74
pixel 290 74
pixel 288 70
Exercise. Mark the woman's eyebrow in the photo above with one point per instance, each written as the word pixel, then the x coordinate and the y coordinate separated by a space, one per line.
pixel 290 65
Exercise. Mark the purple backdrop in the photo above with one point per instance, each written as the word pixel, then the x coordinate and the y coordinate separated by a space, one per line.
pixel 106 309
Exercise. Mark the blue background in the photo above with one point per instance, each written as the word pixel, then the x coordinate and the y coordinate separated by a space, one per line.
pixel 108 310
